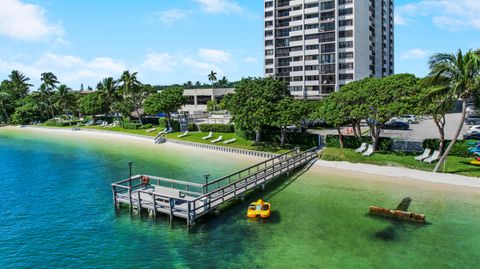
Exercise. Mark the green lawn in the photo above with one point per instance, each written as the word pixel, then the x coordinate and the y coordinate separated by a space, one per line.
pixel 455 165
pixel 126 131
pixel 240 143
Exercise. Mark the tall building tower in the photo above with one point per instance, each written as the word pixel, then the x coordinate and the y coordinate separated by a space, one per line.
pixel 318 46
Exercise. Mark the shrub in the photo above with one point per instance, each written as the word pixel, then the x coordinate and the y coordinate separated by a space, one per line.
pixel 354 142
pixel 176 126
pixel 220 128
pixel 146 126
pixel 273 135
pixel 192 127
pixel 162 123
pixel 460 149
pixel 131 125
pixel 60 123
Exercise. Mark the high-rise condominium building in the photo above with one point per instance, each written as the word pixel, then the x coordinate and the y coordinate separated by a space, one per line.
pixel 318 46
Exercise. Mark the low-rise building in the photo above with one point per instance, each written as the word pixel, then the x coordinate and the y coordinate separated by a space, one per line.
pixel 197 99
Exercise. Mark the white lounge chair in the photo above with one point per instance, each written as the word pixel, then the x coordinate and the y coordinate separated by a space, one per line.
pixel 163 131
pixel 425 155
pixel 229 141
pixel 369 151
pixel 435 157
pixel 362 148
pixel 210 135
pixel 169 130
pixel 183 135
pixel 220 138
pixel 151 130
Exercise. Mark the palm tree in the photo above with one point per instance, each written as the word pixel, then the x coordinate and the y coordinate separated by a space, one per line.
pixel 132 87
pixel 65 99
pixel 462 73
pixel 3 104
pixel 49 84
pixel 19 83
pixel 108 89
pixel 212 77
pixel 223 82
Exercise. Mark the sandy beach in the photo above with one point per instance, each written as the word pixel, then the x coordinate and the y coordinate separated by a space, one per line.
pixel 397 175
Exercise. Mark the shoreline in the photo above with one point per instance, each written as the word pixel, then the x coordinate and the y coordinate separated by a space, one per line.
pixel 393 174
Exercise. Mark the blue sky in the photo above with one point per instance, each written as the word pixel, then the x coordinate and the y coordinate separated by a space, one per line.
pixel 173 41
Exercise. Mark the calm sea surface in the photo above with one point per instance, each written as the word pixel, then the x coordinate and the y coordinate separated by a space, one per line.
pixel 56 212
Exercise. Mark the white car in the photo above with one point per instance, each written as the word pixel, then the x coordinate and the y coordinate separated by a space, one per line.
pixel 410 119
pixel 473 129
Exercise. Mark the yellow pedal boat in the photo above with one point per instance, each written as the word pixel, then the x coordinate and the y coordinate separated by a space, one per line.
pixel 259 208
pixel 475 162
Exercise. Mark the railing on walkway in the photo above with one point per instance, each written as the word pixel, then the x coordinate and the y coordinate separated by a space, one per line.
pixel 192 200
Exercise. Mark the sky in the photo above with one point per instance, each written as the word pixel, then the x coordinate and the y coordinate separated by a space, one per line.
pixel 174 41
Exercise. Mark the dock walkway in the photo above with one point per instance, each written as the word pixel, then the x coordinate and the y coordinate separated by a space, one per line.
pixel 191 201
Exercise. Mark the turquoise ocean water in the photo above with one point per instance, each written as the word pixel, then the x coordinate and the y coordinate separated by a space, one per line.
pixel 56 212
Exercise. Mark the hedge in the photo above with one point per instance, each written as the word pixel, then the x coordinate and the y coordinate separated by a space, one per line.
pixel 274 135
pixel 60 123
pixel 219 128
pixel 353 142
pixel 460 149
pixel 131 125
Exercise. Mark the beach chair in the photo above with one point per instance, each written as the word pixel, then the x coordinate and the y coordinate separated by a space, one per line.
pixel 220 138
pixel 362 148
pixel 210 135
pixel 163 131
pixel 229 141
pixel 369 151
pixel 183 135
pixel 425 155
pixel 169 130
pixel 435 157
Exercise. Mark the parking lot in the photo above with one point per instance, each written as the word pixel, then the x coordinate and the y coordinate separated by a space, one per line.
pixel 417 132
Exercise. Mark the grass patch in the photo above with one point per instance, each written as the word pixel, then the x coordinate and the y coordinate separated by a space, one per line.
pixel 241 143
pixel 454 165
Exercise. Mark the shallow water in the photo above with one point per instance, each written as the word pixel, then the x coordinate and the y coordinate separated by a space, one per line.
pixel 57 212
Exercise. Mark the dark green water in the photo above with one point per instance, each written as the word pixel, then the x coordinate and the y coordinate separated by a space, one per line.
pixel 57 212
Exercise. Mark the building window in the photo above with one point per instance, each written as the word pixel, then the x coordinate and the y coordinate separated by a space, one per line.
pixel 327 48
pixel 268 52
pixel 345 44
pixel 345 66
pixel 269 70
pixel 311 16
pixel 327 58
pixel 311 47
pixel 343 34
pixel 268 23
pixel 269 42
pixel 346 76
pixel 269 33
pixel 297 78
pixel 327 5
pixel 345 23
pixel 268 14
pixel 311 57
pixel 343 2
pixel 327 69
pixel 311 67
pixel 345 55
pixel 295 88
pixel 310 5
pixel 327 37
pixel 297 68
pixel 311 78
pixel 311 26
pixel 269 4
pixel 298 58
pixel 345 11
pixel 312 88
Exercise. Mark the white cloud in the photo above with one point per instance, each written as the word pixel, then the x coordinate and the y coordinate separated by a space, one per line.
pixel 216 56
pixel 250 60
pixel 160 62
pixel 414 54
pixel 170 17
pixel 219 6
pixel 71 70
pixel 452 15
pixel 200 67
pixel 27 22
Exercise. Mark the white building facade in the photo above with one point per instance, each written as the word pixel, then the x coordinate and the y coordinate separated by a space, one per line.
pixel 317 46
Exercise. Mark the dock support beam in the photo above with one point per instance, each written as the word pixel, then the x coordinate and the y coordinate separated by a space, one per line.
pixel 130 205
pixel 154 207
pixel 115 204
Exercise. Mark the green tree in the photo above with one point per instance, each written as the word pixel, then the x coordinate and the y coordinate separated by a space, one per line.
pixel 29 110
pixel 133 88
pixel 212 77
pixel 223 83
pixel 462 72
pixel 108 91
pixel 66 99
pixel 167 101
pixel 20 84
pixel 254 103
pixel 48 86
pixel 4 103
pixel 92 104
pixel 290 111
pixel 333 110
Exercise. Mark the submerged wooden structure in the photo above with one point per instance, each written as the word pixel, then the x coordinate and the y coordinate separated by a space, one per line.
pixel 191 201
pixel 401 213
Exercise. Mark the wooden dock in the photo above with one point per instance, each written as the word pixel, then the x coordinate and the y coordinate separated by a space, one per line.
pixel 191 201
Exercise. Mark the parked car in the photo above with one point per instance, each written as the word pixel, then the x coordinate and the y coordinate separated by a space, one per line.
pixel 474 129
pixel 396 125
pixel 410 119
pixel 472 119
pixel 474 136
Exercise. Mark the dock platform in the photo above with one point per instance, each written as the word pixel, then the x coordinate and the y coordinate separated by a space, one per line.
pixel 191 201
